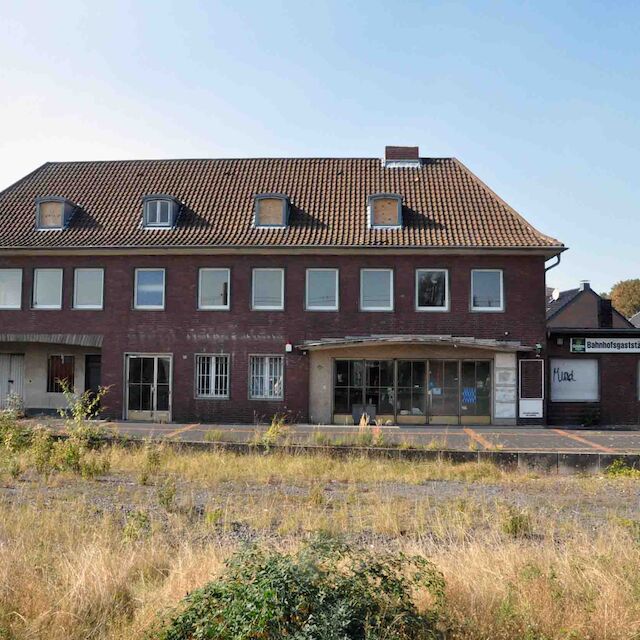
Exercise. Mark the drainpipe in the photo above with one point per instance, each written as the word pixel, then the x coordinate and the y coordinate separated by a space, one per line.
pixel 555 264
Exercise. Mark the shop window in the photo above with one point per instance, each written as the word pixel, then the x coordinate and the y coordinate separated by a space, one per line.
pixel 574 380
pixel 348 388
pixel 364 386
pixel 60 370
pixel 475 391
pixel 412 378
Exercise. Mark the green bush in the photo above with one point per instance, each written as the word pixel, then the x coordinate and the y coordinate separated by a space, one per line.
pixel 620 469
pixel 517 523
pixel 326 591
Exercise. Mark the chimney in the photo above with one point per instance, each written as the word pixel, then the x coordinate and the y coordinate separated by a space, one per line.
pixel 585 285
pixel 401 156
pixel 605 314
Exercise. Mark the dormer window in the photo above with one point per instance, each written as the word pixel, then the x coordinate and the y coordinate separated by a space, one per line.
pixel 271 210
pixel 53 212
pixel 385 211
pixel 160 211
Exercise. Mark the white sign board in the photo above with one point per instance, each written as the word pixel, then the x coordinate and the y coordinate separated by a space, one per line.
pixel 574 380
pixel 605 345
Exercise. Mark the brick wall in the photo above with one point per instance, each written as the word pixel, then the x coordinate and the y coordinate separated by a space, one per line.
pixel 184 331
pixel 619 402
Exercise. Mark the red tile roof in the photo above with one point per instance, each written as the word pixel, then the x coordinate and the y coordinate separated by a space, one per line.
pixel 445 205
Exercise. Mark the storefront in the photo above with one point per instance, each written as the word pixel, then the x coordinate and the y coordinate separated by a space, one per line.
pixel 594 377
pixel 414 382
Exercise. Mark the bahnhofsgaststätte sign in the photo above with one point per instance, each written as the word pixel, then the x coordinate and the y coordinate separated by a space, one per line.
pixel 605 345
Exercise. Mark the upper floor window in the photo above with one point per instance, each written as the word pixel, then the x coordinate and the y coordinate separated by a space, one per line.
pixel 10 288
pixel 88 287
pixel 432 290
pixel 160 211
pixel 322 290
pixel 47 289
pixel 268 289
pixel 487 291
pixel 149 289
pixel 271 210
pixel 385 211
pixel 53 212
pixel 213 289
pixel 376 290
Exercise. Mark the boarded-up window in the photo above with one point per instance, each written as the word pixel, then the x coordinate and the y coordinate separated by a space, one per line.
pixel 531 379
pixel 51 215
pixel 60 369
pixel 385 211
pixel 271 212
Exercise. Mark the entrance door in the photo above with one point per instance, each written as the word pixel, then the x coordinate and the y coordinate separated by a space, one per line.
pixel 92 374
pixel 444 392
pixel 149 388
pixel 475 392
pixel 11 377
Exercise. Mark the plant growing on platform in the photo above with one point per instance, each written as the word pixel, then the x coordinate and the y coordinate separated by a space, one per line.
pixel 325 590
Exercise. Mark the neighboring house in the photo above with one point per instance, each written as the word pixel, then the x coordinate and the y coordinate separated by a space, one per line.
pixel 635 320
pixel 594 361
pixel 229 290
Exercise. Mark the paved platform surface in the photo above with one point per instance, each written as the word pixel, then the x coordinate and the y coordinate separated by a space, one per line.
pixel 471 438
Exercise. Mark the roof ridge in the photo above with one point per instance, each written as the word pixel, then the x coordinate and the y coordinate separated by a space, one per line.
pixel 245 158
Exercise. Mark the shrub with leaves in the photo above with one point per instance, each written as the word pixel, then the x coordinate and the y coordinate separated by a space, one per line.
pixel 325 591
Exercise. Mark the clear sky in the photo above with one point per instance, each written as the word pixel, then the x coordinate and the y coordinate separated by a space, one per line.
pixel 540 99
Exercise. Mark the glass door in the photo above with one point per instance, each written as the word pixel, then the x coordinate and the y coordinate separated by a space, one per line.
pixel 149 388
pixel 475 392
pixel 444 392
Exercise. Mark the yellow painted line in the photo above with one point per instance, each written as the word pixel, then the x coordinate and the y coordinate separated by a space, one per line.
pixel 187 427
pixel 478 438
pixel 582 440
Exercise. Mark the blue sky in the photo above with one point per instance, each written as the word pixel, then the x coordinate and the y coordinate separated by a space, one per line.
pixel 540 99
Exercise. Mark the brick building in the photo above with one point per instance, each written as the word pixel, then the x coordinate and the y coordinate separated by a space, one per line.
pixel 228 290
pixel 594 361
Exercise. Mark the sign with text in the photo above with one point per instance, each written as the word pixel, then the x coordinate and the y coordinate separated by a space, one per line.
pixel 605 345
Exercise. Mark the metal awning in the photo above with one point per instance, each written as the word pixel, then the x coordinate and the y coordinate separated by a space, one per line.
pixel 78 339
pixel 509 346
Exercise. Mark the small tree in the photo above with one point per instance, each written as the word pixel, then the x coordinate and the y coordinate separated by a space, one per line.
pixel 625 297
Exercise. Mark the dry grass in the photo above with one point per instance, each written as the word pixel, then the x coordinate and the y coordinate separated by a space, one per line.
pixel 523 557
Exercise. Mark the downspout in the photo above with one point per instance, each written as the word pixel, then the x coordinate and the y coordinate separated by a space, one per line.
pixel 553 266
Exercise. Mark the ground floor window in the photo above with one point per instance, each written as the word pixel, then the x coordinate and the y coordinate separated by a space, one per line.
pixel 59 369
pixel 266 377
pixel 212 376
pixel 574 380
pixel 413 391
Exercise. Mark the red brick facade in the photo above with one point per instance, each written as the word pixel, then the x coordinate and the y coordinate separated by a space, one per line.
pixel 183 331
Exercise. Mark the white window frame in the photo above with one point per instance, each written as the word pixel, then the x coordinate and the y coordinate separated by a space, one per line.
pixel 35 289
pixel 279 307
pixel 488 309
pixel 214 307
pixel 391 291
pixel 336 306
pixel 75 289
pixel 266 375
pixel 19 306
pixel 154 205
pixel 135 290
pixel 446 306
pixel 227 376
